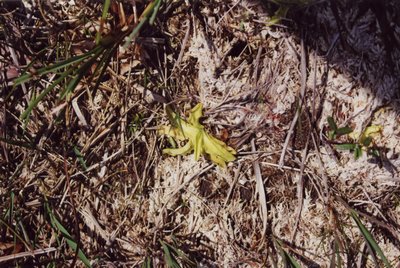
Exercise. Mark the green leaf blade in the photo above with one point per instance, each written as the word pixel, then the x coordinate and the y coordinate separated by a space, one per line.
pixel 344 130
pixel 55 223
pixel 346 146
pixel 357 152
pixel 369 238
pixel 55 67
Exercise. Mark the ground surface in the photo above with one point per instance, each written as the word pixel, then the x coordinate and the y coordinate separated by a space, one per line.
pixel 267 91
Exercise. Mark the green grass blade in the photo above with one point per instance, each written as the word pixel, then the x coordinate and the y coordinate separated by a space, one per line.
pixel 288 260
pixel 188 262
pixel 106 6
pixel 155 11
pixel 151 8
pixel 104 60
pixel 369 238
pixel 80 73
pixel 80 158
pixel 169 258
pixel 134 33
pixel 24 73
pixel 105 9
pixel 279 15
pixel 33 103
pixel 18 143
pixel 10 211
pixel 71 243
pixel 103 64
pixel 54 67
pixel 15 233
pixel 147 263
pixel 183 257
pixel 94 53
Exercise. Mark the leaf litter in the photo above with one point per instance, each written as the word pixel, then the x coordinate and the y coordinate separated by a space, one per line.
pixel 134 200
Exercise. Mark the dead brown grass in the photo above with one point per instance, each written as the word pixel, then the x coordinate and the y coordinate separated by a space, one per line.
pixel 252 78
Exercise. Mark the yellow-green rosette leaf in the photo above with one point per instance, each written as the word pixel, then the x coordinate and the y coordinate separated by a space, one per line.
pixel 369 133
pixel 179 151
pixel 198 145
pixel 219 152
pixel 198 140
pixel 195 114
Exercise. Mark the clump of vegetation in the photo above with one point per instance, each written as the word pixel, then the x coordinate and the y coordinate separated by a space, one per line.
pixel 363 142
pixel 70 72
pixel 199 140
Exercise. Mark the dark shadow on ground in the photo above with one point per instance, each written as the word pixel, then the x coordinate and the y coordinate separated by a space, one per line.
pixel 359 38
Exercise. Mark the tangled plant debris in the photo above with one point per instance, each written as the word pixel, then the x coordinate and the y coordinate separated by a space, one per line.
pixel 96 78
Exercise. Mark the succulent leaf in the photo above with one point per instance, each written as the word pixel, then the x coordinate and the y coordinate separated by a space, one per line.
pixel 198 140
